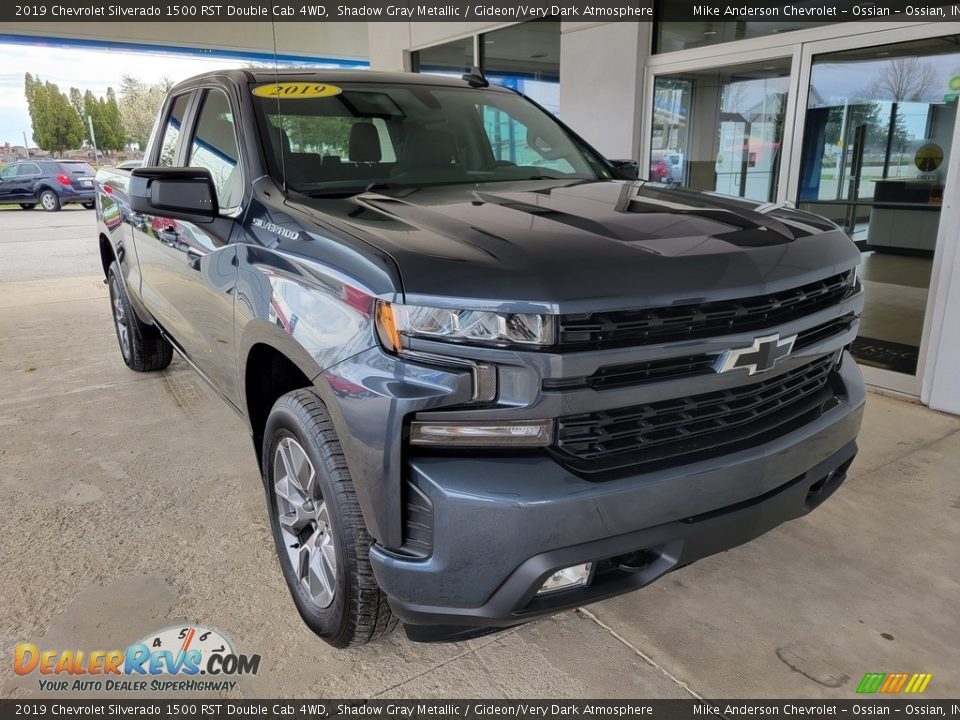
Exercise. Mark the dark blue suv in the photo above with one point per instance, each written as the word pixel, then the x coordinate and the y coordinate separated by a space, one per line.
pixel 51 183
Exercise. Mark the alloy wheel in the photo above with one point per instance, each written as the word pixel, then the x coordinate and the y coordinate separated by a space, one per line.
pixel 304 522
pixel 120 318
pixel 49 201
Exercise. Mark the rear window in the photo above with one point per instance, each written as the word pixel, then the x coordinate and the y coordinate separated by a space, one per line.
pixel 77 168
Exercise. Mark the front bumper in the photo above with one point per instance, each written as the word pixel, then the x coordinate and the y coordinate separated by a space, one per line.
pixel 502 525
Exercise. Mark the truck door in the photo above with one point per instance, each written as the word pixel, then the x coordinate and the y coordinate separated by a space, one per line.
pixel 193 266
pixel 148 230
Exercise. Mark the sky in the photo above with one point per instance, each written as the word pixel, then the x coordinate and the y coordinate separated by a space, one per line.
pixel 93 69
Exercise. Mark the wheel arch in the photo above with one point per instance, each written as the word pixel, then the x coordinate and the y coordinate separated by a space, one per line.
pixel 269 370
pixel 107 254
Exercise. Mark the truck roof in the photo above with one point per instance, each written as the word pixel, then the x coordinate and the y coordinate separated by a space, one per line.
pixel 332 75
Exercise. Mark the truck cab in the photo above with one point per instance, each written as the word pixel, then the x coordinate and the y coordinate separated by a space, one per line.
pixel 487 376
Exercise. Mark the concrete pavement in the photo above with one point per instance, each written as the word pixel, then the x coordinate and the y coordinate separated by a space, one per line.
pixel 132 503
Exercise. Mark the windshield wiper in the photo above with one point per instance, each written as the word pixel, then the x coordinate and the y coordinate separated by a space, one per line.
pixel 382 185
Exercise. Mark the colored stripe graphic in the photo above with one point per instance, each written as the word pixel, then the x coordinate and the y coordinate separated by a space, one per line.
pixel 892 683
pixel 918 683
pixel 871 682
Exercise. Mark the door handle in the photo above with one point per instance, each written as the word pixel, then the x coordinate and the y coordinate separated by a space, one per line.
pixel 193 259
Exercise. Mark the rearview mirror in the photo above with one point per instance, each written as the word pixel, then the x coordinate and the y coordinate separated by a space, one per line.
pixel 180 193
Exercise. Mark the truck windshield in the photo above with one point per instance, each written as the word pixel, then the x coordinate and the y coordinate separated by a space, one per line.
pixel 359 136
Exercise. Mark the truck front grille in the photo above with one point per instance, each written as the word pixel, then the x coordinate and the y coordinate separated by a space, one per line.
pixel 673 368
pixel 623 328
pixel 673 432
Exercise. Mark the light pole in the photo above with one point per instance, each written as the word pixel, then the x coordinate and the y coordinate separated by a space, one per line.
pixel 93 139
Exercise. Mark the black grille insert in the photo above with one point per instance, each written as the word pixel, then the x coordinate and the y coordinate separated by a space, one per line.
pixel 683 322
pixel 673 432
pixel 673 368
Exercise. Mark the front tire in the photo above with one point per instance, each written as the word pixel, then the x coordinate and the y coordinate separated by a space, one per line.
pixel 28 206
pixel 144 349
pixel 50 201
pixel 321 539
pixel 89 205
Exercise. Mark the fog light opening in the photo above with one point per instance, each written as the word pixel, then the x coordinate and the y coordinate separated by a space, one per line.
pixel 567 578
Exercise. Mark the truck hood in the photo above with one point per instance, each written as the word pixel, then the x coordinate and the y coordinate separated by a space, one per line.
pixel 583 246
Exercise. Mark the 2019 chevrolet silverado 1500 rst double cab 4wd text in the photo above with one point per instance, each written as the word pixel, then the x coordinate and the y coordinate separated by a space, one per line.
pixel 487 377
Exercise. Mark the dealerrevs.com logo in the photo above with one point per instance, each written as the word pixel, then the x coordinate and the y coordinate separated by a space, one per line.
pixel 170 660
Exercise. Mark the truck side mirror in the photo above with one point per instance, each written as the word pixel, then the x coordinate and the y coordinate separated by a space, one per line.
pixel 180 193
pixel 626 169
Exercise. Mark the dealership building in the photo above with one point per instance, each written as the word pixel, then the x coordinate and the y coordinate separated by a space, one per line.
pixel 854 121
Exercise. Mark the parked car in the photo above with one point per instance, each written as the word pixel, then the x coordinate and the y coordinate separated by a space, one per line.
pixel 486 380
pixel 659 172
pixel 49 183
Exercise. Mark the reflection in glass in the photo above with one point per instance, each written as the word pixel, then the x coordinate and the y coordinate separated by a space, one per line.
pixel 525 57
pixel 452 58
pixel 214 147
pixel 721 129
pixel 876 144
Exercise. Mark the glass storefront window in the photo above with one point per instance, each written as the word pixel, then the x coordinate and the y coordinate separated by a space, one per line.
pixel 452 58
pixel 876 143
pixel 683 35
pixel 721 129
pixel 525 57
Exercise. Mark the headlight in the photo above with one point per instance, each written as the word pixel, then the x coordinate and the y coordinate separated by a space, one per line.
pixel 474 327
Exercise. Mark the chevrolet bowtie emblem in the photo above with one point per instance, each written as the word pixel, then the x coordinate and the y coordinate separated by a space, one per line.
pixel 765 352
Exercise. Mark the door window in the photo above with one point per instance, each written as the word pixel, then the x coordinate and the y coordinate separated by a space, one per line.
pixel 171 132
pixel 28 169
pixel 214 147
pixel 876 144
pixel 9 171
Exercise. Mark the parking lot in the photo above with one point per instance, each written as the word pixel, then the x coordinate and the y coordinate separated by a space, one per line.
pixel 132 503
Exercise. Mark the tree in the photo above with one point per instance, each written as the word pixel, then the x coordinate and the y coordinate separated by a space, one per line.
pixel 76 99
pixel 111 113
pixel 904 79
pixel 56 124
pixel 91 109
pixel 139 105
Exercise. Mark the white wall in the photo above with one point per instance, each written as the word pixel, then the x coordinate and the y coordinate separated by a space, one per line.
pixel 347 40
pixel 601 83
pixel 389 44
pixel 941 373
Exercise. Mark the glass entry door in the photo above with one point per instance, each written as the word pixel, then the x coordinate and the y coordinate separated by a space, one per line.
pixel 721 129
pixel 877 135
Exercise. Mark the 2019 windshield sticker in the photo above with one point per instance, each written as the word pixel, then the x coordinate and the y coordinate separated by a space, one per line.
pixel 297 90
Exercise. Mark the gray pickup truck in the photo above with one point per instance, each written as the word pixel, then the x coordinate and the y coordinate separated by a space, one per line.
pixel 488 376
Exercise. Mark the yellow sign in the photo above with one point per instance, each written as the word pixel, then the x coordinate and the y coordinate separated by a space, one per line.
pixel 928 157
pixel 296 90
